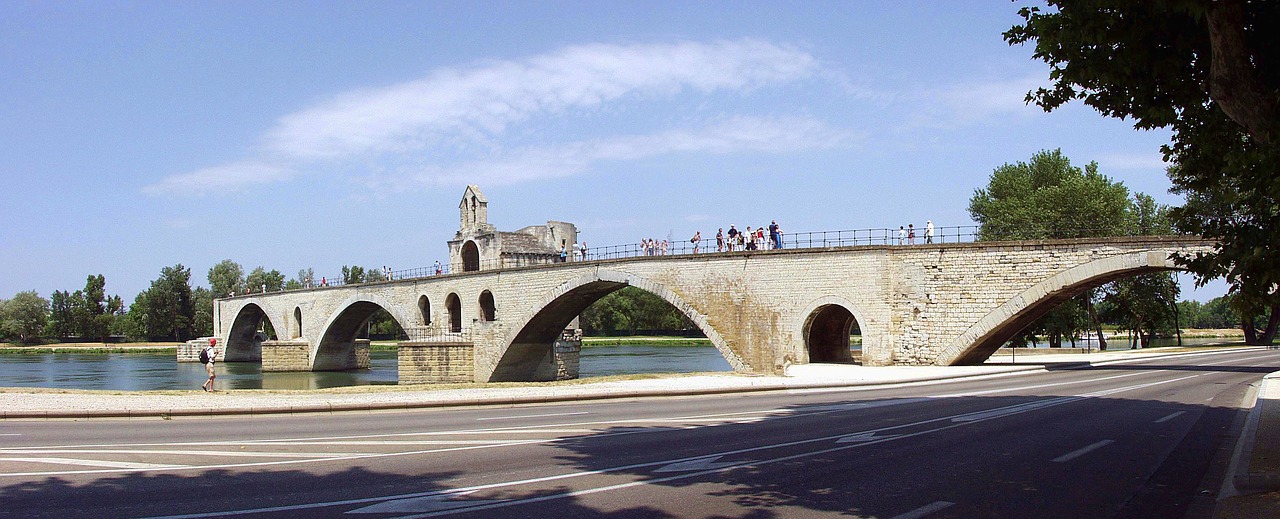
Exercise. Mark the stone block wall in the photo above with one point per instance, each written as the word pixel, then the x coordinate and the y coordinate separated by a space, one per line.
pixel 566 354
pixel 286 356
pixel 436 362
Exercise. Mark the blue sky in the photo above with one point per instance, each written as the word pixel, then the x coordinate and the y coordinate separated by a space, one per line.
pixel 291 135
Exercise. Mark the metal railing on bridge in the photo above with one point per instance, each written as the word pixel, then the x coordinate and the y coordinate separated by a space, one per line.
pixel 706 245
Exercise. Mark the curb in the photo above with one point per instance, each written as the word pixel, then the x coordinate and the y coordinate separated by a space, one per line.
pixel 1258 468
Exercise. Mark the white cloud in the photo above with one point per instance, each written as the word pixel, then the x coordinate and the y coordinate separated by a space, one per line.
pixel 734 135
pixel 454 109
pixel 219 178
pixel 967 103
pixel 486 99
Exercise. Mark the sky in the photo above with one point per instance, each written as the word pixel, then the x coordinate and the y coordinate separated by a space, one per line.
pixel 293 135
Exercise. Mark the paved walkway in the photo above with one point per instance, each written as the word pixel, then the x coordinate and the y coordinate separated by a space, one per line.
pixel 1250 489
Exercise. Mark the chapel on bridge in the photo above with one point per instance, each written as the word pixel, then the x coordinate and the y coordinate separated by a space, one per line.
pixel 478 245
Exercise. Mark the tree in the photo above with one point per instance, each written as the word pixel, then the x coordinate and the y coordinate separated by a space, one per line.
pixel 260 280
pixel 61 316
pixel 1206 70
pixel 24 316
pixel 226 278
pixel 631 309
pixel 202 305
pixel 1049 198
pixel 167 309
pixel 352 275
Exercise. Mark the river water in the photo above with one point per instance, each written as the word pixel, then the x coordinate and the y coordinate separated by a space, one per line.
pixel 148 371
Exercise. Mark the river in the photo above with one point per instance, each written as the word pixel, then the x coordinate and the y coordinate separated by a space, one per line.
pixel 150 371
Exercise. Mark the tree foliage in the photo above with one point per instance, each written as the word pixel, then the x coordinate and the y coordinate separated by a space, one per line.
pixel 226 278
pixel 632 309
pixel 166 311
pixel 260 280
pixel 1049 198
pixel 1207 71
pixel 24 316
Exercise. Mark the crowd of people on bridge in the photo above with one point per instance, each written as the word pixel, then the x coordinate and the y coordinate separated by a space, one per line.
pixel 750 239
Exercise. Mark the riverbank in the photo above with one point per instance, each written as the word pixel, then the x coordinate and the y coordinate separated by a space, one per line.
pixel 92 347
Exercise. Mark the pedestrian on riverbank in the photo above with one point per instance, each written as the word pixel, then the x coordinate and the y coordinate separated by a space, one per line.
pixel 208 355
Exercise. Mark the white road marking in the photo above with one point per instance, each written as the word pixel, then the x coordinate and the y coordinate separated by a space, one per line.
pixel 252 454
pixel 864 437
pixel 708 463
pixel 1170 417
pixel 1081 451
pixel 94 463
pixel 432 503
pixel 925 510
pixel 530 416
pixel 953 425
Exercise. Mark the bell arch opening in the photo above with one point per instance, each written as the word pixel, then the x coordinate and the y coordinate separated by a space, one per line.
pixel 488 311
pixel 345 343
pixel 297 322
pixel 244 339
pixel 827 334
pixel 453 305
pixel 470 257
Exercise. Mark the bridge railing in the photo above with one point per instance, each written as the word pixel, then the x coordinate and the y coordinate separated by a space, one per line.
pixel 800 240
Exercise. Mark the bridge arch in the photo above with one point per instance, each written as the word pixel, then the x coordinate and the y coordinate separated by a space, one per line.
pixel 525 354
pixel 338 340
pixel 986 336
pixel 244 342
pixel 826 327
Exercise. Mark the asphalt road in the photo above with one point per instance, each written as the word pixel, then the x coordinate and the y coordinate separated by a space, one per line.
pixel 1147 439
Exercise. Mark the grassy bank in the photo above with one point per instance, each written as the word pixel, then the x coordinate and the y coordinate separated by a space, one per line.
pixel 170 348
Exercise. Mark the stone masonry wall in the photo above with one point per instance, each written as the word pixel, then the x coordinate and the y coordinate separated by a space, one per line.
pixel 436 362
pixel 292 355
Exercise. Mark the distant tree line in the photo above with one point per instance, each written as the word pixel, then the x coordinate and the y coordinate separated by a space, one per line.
pixel 169 310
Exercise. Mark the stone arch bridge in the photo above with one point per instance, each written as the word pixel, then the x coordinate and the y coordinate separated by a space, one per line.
pixel 935 304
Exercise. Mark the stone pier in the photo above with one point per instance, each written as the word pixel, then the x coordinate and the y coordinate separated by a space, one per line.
pixel 436 362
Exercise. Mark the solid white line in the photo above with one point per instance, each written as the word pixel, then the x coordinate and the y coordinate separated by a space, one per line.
pixel 1171 416
pixel 530 416
pixel 251 454
pixel 94 463
pixel 1081 451
pixel 924 510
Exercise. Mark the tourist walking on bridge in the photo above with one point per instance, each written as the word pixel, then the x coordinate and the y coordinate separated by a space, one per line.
pixel 928 231
pixel 775 234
